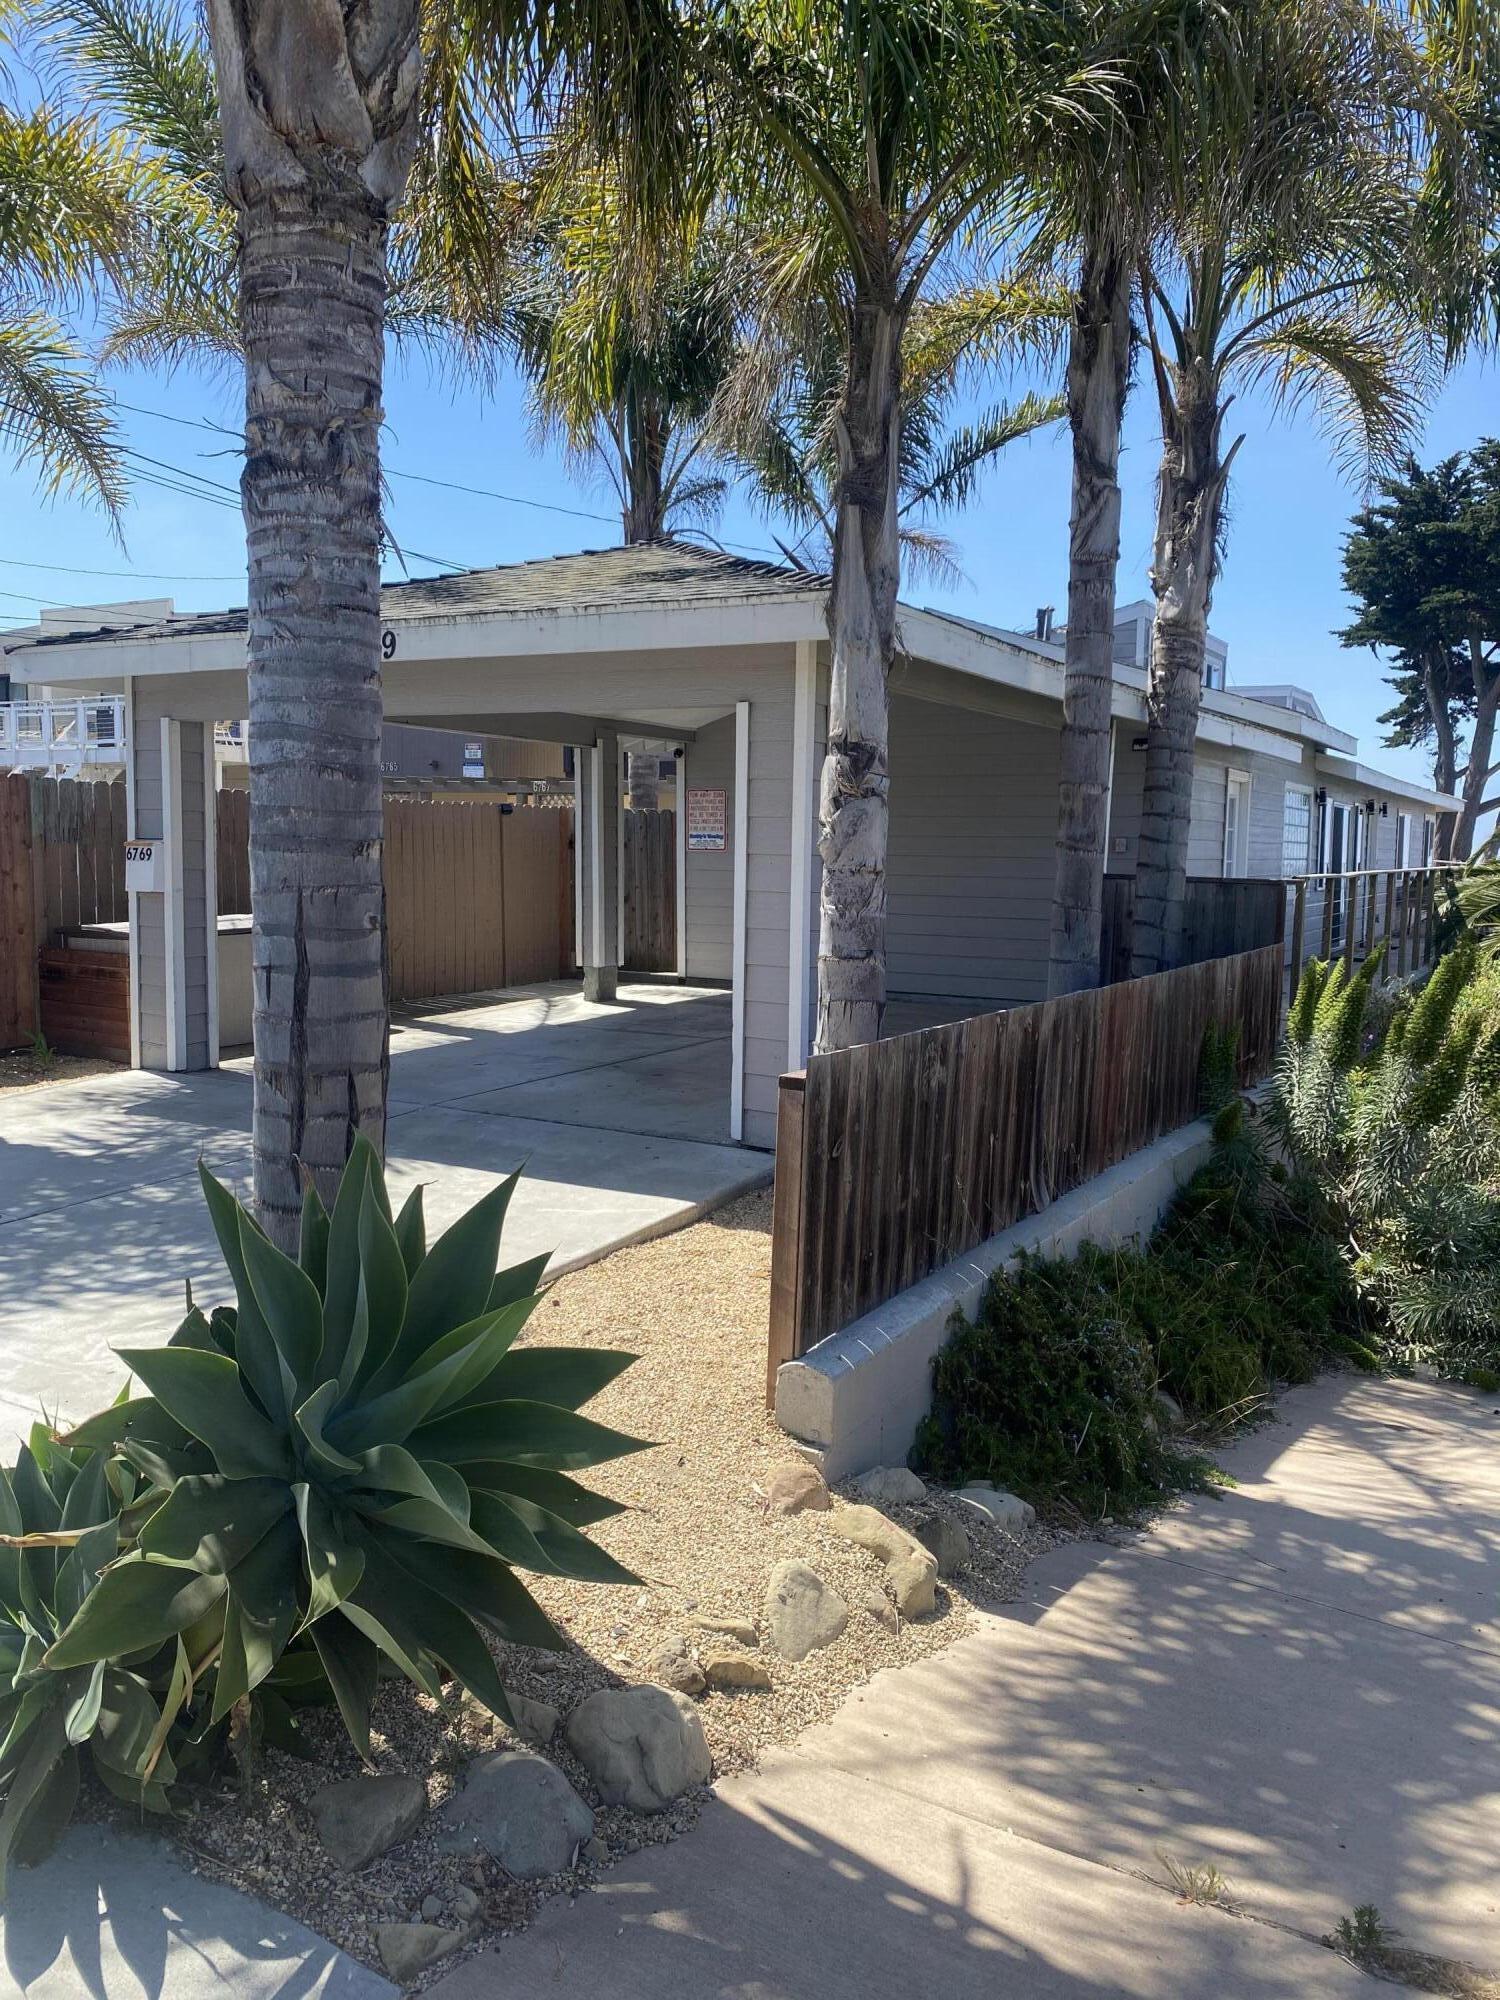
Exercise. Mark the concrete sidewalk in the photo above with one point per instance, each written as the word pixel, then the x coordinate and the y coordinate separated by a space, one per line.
pixel 617 1113
pixel 1299 1684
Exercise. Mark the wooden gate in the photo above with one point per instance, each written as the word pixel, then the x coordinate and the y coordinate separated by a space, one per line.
pixel 62 863
pixel 648 868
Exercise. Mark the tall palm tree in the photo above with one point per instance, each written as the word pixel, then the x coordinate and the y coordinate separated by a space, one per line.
pixel 1284 270
pixel 1099 198
pixel 866 140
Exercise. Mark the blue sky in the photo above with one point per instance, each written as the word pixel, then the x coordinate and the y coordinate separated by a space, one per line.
pixel 1277 603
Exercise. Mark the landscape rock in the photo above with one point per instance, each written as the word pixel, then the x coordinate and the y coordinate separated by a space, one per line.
pixel 536 1721
pixel 675 1667
pixel 432 1908
pixel 871 1530
pixel 359 1818
pixel 407 1949
pixel 798 1488
pixel 596 1849
pixel 947 1540
pixel 802 1613
pixel 881 1609
pixel 642 1746
pixel 729 1628
pixel 999 1508
pixel 520 1810
pixel 891 1486
pixel 912 1581
pixel 465 1903
pixel 1168 1411
pixel 735 1670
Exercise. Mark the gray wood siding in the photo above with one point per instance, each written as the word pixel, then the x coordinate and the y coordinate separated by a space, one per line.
pixel 969 884
pixel 710 876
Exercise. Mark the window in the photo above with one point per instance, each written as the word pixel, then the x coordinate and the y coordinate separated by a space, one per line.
pixel 1403 840
pixel 1297 831
pixel 1236 822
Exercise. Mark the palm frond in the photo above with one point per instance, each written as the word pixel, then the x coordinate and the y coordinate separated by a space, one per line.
pixel 950 476
pixel 1359 374
pixel 72 198
pixel 150 70
pixel 53 413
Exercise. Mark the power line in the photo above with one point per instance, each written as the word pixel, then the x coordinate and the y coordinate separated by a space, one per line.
pixel 130 575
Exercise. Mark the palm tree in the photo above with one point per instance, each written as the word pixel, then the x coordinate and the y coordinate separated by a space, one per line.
pixel 864 143
pixel 778 413
pixel 71 198
pixel 1291 230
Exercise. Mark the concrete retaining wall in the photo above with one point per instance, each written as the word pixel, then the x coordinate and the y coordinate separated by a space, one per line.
pixel 855 1399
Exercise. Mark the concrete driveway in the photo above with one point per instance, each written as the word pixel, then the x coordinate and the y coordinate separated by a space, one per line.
pixel 619 1115
pixel 1298 1684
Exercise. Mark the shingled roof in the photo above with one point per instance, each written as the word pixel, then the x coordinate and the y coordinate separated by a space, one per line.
pixel 653 575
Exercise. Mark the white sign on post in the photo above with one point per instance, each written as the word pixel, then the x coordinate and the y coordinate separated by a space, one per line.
pixel 145 865
pixel 707 820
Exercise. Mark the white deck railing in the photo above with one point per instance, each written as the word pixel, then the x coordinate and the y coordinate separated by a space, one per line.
pixel 62 736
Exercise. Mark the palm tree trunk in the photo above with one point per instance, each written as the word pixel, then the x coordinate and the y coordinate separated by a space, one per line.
pixel 1190 501
pixel 1098 378
pixel 318 112
pixel 1445 755
pixel 645 510
pixel 1481 752
pixel 852 813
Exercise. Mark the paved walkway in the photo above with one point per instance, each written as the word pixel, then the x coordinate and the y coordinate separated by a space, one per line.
pixel 1298 1683
pixel 618 1113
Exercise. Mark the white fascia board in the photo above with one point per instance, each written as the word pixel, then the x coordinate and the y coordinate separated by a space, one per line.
pixel 1381 781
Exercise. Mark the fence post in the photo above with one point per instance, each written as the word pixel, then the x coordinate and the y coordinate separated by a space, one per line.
pixel 788 1209
pixel 1299 931
pixel 1326 954
pixel 1390 913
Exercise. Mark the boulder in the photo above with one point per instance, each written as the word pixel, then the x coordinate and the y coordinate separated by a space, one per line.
pixel 674 1666
pixel 739 1629
pixel 802 1612
pixel 520 1810
pixel 407 1949
pixel 642 1746
pixel 1168 1411
pixel 890 1486
pixel 359 1818
pixel 944 1538
pixel 536 1721
pixel 871 1530
pixel 999 1508
pixel 912 1581
pixel 798 1488
pixel 735 1670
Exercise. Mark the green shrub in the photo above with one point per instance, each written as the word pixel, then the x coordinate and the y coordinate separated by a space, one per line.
pixel 1051 1391
pixel 350 1462
pixel 60 1515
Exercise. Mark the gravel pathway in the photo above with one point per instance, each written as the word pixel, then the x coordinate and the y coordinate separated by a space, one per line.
pixel 693 1306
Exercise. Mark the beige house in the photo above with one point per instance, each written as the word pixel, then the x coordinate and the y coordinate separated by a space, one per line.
pixel 725 661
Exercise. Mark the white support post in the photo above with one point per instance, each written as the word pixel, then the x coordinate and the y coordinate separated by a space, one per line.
pixel 1109 792
pixel 175 907
pixel 211 890
pixel 804 798
pixel 680 832
pixel 741 904
pixel 596 852
pixel 620 762
pixel 579 754
pixel 132 899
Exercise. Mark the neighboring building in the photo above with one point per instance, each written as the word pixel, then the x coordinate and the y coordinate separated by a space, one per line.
pixel 725 661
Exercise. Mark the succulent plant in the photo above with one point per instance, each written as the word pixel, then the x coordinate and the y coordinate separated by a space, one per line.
pixel 60 1519
pixel 352 1457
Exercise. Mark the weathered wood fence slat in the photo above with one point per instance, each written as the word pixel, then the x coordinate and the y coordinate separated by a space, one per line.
pixel 895 1157
pixel 648 872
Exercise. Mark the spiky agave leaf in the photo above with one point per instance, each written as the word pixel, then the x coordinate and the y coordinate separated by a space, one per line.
pixel 354 1458
pixel 59 1525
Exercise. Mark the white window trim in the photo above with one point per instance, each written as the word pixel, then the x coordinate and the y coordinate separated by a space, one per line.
pixel 1236 865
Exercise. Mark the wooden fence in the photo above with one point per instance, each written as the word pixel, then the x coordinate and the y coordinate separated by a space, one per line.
pixel 62 863
pixel 894 1157
pixel 1220 917
pixel 232 851
pixel 648 879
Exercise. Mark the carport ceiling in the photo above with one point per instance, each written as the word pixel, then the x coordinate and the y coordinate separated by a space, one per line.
pixel 679 725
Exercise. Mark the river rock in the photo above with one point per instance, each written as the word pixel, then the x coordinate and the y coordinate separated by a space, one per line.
pixel 520 1810
pixel 890 1486
pixel 802 1612
pixel 999 1508
pixel 735 1670
pixel 798 1488
pixel 674 1666
pixel 359 1818
pixel 912 1581
pixel 739 1629
pixel 536 1721
pixel 944 1538
pixel 880 1608
pixel 642 1746
pixel 870 1529
pixel 407 1949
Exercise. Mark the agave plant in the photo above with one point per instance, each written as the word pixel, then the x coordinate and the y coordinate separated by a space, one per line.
pixel 60 1522
pixel 351 1458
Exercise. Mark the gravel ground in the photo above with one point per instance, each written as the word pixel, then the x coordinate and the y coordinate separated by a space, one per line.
pixel 693 1307
pixel 25 1069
